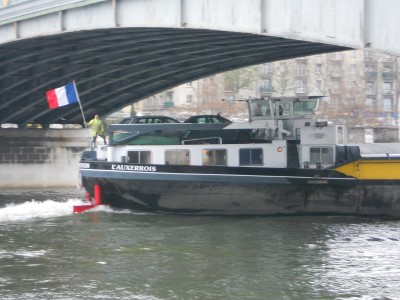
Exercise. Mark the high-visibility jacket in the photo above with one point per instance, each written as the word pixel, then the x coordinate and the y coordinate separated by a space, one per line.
pixel 97 126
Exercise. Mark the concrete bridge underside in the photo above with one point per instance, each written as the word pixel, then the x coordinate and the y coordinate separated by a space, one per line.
pixel 116 67
pixel 120 52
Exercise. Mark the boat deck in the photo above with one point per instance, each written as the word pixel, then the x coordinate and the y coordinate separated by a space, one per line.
pixel 379 150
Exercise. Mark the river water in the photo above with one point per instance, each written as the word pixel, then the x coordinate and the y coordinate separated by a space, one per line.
pixel 47 252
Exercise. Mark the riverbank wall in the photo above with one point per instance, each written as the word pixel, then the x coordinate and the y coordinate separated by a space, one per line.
pixel 41 157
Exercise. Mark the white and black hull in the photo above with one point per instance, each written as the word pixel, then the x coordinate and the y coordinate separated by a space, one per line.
pixel 204 190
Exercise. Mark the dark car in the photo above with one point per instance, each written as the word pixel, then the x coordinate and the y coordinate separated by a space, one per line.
pixel 227 135
pixel 148 120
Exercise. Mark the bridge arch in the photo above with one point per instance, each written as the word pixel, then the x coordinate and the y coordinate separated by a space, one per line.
pixel 121 51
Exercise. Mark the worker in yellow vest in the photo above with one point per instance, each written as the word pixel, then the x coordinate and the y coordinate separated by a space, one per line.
pixel 97 126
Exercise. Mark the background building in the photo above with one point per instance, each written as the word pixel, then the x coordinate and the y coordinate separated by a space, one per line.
pixel 360 89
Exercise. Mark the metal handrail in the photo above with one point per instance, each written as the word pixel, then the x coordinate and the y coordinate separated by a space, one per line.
pixel 16 10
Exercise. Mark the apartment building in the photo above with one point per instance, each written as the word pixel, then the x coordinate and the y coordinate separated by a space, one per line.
pixel 360 88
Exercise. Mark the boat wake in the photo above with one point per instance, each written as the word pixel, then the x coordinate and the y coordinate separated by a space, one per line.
pixel 37 210
pixel 34 209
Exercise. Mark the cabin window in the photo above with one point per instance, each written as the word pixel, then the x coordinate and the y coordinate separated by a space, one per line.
pixel 322 154
pixel 304 108
pixel 177 157
pixel 139 157
pixel 259 109
pixel 250 157
pixel 214 157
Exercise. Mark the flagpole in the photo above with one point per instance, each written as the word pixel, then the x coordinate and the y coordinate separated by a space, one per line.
pixel 80 105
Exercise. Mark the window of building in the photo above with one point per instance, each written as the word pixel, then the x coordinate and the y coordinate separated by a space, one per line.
pixel 387 105
pixel 370 68
pixel 318 84
pixel 170 96
pixel 387 73
pixel 371 88
pixel 301 69
pixel 387 87
pixel 265 85
pixel 177 157
pixel 139 157
pixel 335 87
pixel 318 68
pixel 189 98
pixel 369 102
pixel 266 68
pixel 249 157
pixel 214 157
pixel 301 86
pixel 321 154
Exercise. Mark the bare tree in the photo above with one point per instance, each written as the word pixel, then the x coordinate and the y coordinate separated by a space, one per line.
pixel 237 81
pixel 284 77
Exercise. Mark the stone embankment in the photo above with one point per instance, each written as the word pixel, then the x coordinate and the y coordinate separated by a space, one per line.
pixel 41 157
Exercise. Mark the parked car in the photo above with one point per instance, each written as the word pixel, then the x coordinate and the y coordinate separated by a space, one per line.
pixel 148 120
pixel 125 137
pixel 227 135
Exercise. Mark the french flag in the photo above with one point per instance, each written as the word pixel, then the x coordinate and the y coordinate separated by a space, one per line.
pixel 62 96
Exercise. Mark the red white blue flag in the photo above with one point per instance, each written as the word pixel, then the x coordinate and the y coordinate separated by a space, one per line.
pixel 62 96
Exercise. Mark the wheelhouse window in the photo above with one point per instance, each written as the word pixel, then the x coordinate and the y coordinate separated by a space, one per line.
pixel 214 157
pixel 321 154
pixel 260 108
pixel 139 157
pixel 304 108
pixel 177 157
pixel 248 157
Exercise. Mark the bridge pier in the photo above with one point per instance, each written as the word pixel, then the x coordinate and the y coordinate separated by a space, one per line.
pixel 41 157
